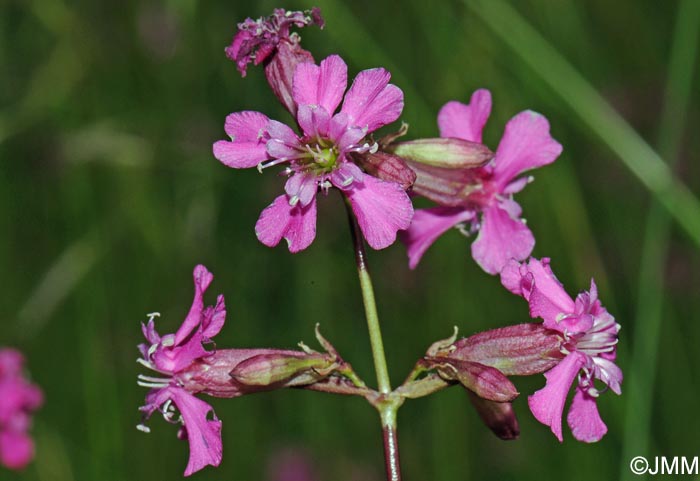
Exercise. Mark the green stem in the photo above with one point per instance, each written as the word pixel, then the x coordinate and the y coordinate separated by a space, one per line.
pixel 375 332
pixel 387 405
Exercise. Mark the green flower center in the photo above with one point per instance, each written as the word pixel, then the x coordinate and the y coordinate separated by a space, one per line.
pixel 322 156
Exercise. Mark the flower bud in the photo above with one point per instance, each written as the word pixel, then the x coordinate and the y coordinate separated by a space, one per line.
pixel 519 350
pixel 484 381
pixel 289 368
pixel 449 153
pixel 498 416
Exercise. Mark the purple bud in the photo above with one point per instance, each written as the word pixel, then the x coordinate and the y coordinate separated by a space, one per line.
pixel 484 381
pixel 498 416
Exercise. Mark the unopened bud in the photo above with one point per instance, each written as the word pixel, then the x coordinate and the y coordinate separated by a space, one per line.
pixel 449 153
pixel 484 381
pixel 290 368
pixel 498 416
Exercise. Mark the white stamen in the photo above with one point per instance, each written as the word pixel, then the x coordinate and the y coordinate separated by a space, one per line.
pixel 151 385
pixel 143 428
pixel 145 363
pixel 154 379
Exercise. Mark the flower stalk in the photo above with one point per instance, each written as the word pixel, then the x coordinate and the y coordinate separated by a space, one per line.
pixel 388 405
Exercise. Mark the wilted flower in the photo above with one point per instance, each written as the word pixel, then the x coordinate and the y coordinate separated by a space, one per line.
pixel 319 158
pixel 589 335
pixel 18 398
pixel 481 199
pixel 269 40
pixel 257 40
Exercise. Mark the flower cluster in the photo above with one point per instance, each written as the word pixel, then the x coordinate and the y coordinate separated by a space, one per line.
pixel 18 399
pixel 333 147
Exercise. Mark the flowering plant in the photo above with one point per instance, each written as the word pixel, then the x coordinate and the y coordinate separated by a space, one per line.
pixel 332 148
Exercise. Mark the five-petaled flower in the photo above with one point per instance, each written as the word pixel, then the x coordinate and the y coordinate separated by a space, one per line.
pixel 589 341
pixel 186 368
pixel 486 203
pixel 18 398
pixel 170 355
pixel 319 158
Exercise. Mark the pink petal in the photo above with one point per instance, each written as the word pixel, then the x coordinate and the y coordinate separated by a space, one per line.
pixel 512 277
pixel 296 224
pixel 608 372
pixel 214 318
pixel 382 209
pixel 247 146
pixel 11 361
pixel 202 279
pixel 16 449
pixel 301 188
pixel 584 420
pixel 547 296
pixel 314 120
pixel 283 142
pixel 547 404
pixel 346 175
pixel 203 435
pixel 429 224
pixel 501 238
pixel 371 101
pixel 466 121
pixel 322 85
pixel 526 144
pixel 174 359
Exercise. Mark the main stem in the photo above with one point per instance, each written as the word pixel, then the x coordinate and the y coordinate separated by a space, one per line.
pixel 387 409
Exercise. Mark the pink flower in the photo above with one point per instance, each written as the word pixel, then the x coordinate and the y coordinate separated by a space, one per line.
pixel 18 398
pixel 487 206
pixel 172 354
pixel 185 368
pixel 319 158
pixel 590 337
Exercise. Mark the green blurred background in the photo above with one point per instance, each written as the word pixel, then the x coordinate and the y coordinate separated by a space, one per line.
pixel 109 195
